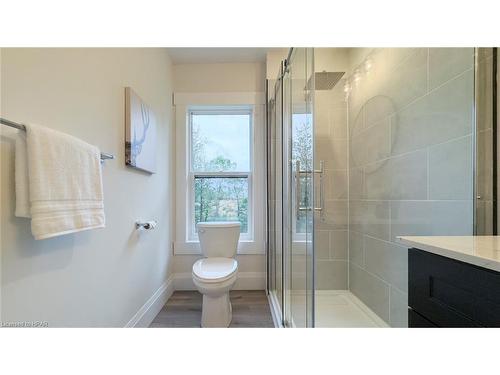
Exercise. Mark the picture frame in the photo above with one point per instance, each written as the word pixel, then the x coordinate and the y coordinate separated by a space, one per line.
pixel 140 133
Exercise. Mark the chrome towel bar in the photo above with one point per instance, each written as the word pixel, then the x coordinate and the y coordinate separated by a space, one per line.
pixel 15 125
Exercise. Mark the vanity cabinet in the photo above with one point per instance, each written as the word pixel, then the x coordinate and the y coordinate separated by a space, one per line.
pixel 444 292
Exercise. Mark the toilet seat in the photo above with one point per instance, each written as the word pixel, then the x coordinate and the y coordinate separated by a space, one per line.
pixel 215 270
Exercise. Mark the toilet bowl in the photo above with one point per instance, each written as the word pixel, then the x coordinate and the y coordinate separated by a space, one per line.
pixel 215 275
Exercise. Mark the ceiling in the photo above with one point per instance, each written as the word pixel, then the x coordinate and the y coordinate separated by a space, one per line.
pixel 207 55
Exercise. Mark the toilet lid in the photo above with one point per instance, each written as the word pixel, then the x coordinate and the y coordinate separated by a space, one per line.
pixel 215 269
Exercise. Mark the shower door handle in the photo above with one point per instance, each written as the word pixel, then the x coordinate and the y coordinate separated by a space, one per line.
pixel 298 191
pixel 320 171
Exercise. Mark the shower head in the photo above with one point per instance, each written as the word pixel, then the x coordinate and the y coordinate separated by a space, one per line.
pixel 327 80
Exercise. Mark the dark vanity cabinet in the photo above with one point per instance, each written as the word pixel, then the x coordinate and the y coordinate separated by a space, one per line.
pixel 443 292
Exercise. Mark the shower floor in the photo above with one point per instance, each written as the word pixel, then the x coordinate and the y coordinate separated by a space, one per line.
pixel 342 309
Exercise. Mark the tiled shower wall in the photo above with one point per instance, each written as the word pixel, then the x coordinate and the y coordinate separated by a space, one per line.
pixel 410 163
pixel 330 141
pixel 331 236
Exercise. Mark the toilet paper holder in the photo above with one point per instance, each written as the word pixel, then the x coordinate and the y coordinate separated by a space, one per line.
pixel 148 225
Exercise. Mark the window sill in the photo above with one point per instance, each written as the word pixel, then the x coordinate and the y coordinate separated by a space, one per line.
pixel 244 247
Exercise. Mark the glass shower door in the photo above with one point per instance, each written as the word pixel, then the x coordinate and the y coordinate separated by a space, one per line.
pixel 275 195
pixel 298 189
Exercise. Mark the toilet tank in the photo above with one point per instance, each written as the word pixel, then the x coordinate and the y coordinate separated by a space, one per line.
pixel 218 238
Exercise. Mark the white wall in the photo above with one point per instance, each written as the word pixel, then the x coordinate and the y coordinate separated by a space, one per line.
pixel 219 78
pixel 273 62
pixel 99 277
pixel 231 77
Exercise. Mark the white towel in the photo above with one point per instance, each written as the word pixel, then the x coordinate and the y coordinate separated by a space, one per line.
pixel 58 183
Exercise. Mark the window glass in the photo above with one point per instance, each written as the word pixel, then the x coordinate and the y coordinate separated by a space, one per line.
pixel 221 199
pixel 220 142
pixel 220 162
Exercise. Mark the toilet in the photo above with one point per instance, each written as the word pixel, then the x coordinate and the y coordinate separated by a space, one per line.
pixel 215 275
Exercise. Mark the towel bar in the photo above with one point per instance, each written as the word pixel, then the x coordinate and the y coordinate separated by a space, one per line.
pixel 15 125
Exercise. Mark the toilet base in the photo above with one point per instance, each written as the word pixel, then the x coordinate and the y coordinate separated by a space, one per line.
pixel 216 311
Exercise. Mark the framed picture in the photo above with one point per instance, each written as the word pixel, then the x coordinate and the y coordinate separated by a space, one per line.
pixel 140 133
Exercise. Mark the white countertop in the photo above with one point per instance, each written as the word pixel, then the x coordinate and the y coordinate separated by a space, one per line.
pixel 482 251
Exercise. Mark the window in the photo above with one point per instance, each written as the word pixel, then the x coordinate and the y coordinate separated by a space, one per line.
pixel 220 167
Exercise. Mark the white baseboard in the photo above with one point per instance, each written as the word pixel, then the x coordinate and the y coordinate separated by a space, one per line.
pixel 146 314
pixel 245 281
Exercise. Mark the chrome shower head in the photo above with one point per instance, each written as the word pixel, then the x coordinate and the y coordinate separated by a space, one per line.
pixel 327 80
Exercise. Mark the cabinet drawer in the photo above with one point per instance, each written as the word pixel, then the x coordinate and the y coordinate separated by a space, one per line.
pixel 451 293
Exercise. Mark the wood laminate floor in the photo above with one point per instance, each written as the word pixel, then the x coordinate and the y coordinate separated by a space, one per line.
pixel 183 310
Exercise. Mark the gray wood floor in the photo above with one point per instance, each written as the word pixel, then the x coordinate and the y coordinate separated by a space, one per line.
pixel 183 310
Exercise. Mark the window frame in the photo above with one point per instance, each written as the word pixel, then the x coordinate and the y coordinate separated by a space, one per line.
pixel 183 102
pixel 192 175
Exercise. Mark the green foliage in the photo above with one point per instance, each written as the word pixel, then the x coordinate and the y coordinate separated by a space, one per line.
pixel 220 164
pixel 302 152
pixel 218 198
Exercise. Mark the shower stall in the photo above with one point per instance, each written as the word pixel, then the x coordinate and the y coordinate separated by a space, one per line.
pixel 290 191
pixel 365 145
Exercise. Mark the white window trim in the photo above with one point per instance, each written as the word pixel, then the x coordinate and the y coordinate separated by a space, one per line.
pixel 247 110
pixel 183 102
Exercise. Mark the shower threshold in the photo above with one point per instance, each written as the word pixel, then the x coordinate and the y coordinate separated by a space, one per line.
pixel 342 309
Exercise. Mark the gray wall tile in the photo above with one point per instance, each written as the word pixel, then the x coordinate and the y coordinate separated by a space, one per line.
pixel 431 218
pixel 338 244
pixel 322 244
pixel 322 113
pixel 450 170
pixel 370 217
pixel 380 97
pixel 388 261
pixel 371 290
pixel 377 143
pixel 334 215
pixel 399 308
pixel 408 81
pixel 357 151
pixel 356 120
pixel 378 108
pixel 331 274
pixel 403 177
pixel 335 184
pixel 339 121
pixel 333 152
pixel 444 114
pixel 356 185
pixel 447 63
pixel 356 248
pixel 410 126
